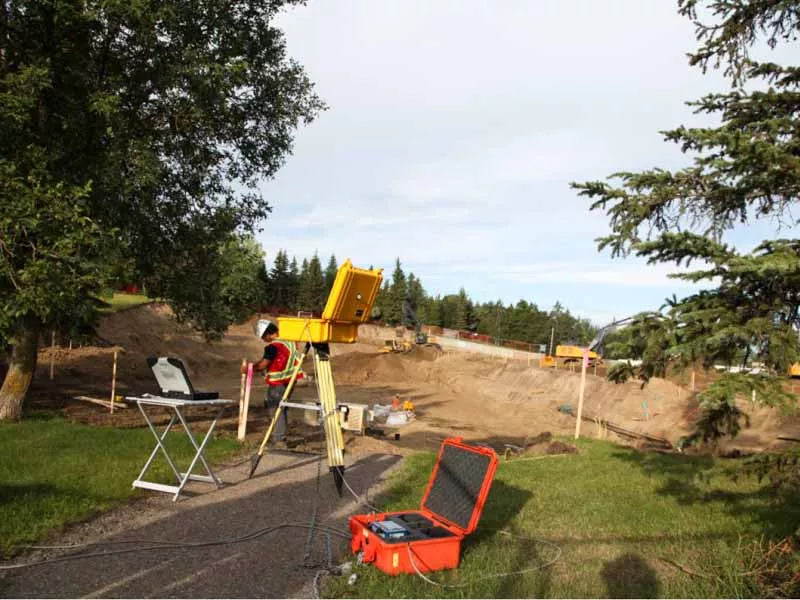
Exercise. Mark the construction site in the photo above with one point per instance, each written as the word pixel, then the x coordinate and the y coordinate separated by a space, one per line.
pixel 485 395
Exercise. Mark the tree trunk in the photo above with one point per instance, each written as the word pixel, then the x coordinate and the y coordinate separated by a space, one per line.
pixel 21 367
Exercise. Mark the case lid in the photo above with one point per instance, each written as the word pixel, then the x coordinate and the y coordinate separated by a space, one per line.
pixel 352 294
pixel 459 484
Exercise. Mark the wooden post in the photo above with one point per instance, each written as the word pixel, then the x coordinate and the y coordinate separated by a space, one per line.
pixel 52 351
pixel 114 382
pixel 584 363
pixel 241 396
pixel 692 379
pixel 245 403
pixel 595 368
pixel 70 344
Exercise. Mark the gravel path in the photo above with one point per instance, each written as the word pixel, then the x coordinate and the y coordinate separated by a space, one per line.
pixel 270 565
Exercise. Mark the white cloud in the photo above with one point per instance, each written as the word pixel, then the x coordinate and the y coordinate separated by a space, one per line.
pixel 455 127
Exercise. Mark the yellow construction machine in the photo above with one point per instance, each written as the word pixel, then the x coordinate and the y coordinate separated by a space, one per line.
pixel 569 354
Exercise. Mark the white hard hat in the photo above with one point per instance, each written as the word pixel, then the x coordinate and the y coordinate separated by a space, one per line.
pixel 261 327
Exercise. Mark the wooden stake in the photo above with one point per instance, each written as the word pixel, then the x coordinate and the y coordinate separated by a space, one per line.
pixel 70 343
pixel 113 382
pixel 584 362
pixel 52 351
pixel 692 379
pixel 241 396
pixel 245 403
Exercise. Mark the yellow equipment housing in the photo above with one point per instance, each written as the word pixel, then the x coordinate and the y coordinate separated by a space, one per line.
pixel 574 353
pixel 349 304
pixel 794 370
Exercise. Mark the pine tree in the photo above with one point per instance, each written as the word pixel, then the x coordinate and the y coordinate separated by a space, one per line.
pixel 303 288
pixel 293 293
pixel 397 294
pixel 416 296
pixel 316 285
pixel 330 274
pixel 744 170
pixel 280 283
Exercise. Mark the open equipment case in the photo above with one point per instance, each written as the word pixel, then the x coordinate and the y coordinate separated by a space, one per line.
pixel 430 538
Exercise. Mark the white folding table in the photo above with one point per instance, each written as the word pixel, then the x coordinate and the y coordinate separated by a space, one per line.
pixel 177 406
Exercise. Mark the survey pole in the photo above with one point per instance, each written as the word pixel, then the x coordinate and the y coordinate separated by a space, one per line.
pixel 584 364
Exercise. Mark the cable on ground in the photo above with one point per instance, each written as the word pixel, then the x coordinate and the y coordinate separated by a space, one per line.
pixel 160 545
pixel 549 563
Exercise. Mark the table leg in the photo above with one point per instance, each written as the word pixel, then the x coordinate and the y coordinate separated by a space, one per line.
pixel 212 478
pixel 159 445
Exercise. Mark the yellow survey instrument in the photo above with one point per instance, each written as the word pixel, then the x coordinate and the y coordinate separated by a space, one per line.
pixel 349 304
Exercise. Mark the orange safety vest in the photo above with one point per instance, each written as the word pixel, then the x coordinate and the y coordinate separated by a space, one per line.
pixel 284 364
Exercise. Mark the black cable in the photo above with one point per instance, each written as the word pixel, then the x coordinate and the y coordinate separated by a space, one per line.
pixel 160 545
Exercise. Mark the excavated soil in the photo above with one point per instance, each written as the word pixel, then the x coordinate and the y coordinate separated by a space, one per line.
pixel 483 399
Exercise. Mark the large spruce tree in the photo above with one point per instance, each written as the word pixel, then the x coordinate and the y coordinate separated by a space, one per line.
pixel 745 170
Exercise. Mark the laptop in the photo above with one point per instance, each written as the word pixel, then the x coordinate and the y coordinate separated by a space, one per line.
pixel 174 381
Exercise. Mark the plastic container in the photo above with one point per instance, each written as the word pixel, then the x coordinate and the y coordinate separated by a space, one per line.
pixel 450 510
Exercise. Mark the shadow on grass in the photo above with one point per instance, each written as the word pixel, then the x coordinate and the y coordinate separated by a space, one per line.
pixel 503 504
pixel 689 480
pixel 629 576
pixel 12 492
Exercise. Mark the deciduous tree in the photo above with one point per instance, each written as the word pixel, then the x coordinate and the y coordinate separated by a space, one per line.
pixel 132 131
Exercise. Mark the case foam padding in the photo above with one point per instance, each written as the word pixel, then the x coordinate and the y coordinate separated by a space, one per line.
pixel 458 482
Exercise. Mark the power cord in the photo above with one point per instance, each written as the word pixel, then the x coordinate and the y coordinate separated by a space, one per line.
pixel 158 545
pixel 551 562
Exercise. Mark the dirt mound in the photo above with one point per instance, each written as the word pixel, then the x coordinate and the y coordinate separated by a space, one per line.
pixel 356 368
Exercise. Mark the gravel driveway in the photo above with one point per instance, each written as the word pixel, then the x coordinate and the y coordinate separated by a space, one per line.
pixel 267 564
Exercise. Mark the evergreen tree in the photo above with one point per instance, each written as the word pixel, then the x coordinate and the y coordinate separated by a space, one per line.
pixel 434 311
pixel 330 274
pixel 280 294
pixel 316 285
pixel 304 302
pixel 397 294
pixel 416 295
pixel 744 170
pixel 461 311
pixel 293 293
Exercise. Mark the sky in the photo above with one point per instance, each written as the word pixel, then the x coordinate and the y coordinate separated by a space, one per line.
pixel 454 128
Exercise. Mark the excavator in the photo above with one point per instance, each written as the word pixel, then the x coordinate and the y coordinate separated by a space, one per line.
pixel 568 354
pixel 410 321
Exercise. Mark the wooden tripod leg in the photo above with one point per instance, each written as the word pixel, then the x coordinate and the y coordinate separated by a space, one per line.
pixel 256 458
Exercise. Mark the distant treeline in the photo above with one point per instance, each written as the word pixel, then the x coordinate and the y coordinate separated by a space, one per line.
pixel 292 287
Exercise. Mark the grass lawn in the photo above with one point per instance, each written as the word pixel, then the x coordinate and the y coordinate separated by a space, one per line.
pixel 628 524
pixel 123 301
pixel 56 472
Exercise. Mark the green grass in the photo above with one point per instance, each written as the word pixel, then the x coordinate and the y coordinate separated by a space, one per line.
pixel 123 301
pixel 55 472
pixel 625 521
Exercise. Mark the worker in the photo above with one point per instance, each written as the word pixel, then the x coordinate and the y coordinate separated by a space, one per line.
pixel 279 361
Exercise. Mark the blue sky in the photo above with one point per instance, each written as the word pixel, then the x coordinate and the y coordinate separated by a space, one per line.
pixel 454 128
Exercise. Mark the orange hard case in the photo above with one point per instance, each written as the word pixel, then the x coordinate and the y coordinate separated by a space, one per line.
pixel 449 511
